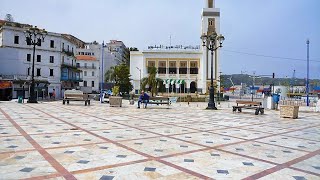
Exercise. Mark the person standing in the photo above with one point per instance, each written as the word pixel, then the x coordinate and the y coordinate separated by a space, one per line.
pixel 54 94
pixel 144 98
pixel 276 99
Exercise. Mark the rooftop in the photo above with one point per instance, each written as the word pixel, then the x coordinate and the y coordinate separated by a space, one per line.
pixel 86 58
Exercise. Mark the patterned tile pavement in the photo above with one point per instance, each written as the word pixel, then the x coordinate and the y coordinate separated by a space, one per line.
pixel 54 141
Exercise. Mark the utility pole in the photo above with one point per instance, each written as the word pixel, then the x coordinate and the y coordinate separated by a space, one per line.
pixel 307 88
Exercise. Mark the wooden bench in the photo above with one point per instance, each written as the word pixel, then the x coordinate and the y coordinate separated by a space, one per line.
pixel 248 105
pixel 159 100
pixel 75 95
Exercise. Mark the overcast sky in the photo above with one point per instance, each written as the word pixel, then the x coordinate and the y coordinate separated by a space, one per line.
pixel 276 28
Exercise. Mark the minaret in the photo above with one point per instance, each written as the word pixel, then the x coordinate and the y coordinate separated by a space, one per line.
pixel 210 23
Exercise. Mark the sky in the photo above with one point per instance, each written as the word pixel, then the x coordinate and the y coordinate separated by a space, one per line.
pixel 264 37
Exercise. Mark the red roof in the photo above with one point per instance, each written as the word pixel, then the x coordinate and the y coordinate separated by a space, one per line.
pixel 86 58
pixel 2 21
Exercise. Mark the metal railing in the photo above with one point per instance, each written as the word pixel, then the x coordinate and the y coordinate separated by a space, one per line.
pixel 87 67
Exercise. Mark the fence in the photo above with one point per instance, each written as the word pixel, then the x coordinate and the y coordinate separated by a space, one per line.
pixel 297 103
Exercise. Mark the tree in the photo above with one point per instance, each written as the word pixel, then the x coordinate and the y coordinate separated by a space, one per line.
pixel 133 49
pixel 126 57
pixel 151 81
pixel 109 75
pixel 122 78
pixel 9 18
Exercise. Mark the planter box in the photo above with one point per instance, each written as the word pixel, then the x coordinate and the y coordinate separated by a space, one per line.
pixel 115 101
pixel 289 111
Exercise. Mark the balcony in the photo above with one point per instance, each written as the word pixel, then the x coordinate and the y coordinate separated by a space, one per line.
pixel 67 52
pixel 86 67
pixel 71 79
pixel 70 73
pixel 70 66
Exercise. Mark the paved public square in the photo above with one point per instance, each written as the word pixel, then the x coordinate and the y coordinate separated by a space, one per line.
pixel 54 141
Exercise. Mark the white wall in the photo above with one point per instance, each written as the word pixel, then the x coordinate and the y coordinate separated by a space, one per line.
pixel 89 78
pixel 10 63
pixel 137 60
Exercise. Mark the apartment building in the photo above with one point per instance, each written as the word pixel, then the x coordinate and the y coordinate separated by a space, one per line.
pixel 55 63
pixel 89 66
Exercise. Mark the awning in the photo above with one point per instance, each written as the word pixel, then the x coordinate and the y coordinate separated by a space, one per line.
pixel 5 84
pixel 174 81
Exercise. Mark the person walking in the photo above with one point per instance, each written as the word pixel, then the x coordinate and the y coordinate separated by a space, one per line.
pixel 54 94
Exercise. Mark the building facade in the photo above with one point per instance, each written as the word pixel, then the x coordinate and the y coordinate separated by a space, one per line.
pixel 183 69
pixel 107 60
pixel 89 66
pixel 179 69
pixel 55 63
pixel 119 50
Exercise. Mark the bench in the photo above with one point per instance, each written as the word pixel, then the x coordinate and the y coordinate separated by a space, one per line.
pixel 159 100
pixel 248 105
pixel 75 95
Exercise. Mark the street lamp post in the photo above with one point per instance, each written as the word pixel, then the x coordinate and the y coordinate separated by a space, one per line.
pixel 102 74
pixel 140 78
pixel 307 88
pixel 34 36
pixel 219 90
pixel 210 42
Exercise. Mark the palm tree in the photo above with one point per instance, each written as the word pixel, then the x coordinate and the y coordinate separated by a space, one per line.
pixel 152 81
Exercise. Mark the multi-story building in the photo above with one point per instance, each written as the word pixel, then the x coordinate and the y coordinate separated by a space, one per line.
pixel 119 50
pixel 183 69
pixel 94 49
pixel 71 75
pixel 54 61
pixel 89 65
pixel 174 66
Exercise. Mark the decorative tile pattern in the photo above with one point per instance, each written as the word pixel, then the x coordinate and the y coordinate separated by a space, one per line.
pixel 247 163
pixel 299 178
pixel 83 162
pixel 121 156
pixel 100 142
pixel 26 169
pixel 223 171
pixel 69 152
pixel 105 177
pixel 188 160
pixel 149 169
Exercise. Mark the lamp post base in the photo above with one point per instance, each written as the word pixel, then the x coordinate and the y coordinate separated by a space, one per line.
pixel 32 101
pixel 212 107
pixel 211 104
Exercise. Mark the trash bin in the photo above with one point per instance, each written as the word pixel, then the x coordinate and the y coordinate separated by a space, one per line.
pixel 20 99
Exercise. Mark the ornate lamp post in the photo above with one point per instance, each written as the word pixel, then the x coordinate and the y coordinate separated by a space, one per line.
pixel 212 42
pixel 34 36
